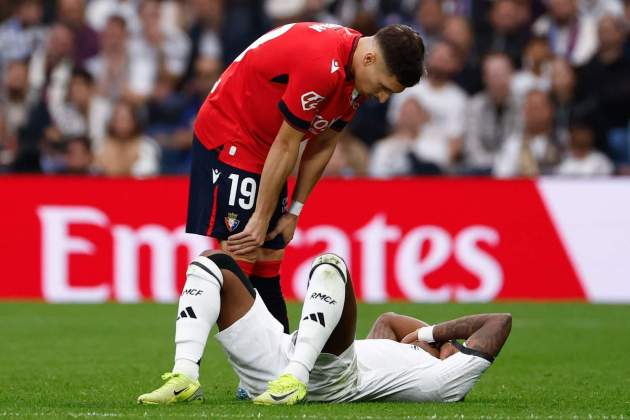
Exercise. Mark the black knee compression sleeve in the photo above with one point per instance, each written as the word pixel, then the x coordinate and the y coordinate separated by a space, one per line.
pixel 225 262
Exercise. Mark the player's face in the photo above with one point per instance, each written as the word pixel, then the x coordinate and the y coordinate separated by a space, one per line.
pixel 374 78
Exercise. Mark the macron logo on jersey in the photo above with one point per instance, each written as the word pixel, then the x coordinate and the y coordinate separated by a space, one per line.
pixel 310 100
pixel 215 175
pixel 334 66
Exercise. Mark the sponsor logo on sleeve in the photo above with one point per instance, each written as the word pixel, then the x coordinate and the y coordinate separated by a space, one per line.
pixel 310 100
pixel 334 66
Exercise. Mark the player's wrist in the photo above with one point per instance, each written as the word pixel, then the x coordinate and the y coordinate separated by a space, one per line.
pixel 258 219
pixel 426 334
pixel 296 208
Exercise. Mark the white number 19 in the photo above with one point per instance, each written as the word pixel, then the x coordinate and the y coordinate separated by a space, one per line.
pixel 248 192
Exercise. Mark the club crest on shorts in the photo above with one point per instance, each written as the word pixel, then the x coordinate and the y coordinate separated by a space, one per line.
pixel 231 221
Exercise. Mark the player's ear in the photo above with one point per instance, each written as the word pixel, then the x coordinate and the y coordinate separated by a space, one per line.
pixel 369 58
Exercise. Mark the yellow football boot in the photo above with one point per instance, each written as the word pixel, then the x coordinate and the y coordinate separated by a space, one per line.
pixel 286 390
pixel 178 388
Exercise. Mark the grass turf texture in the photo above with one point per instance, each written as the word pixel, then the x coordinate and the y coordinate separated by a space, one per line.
pixel 80 361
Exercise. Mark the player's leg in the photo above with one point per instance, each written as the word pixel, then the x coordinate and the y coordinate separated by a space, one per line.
pixel 216 291
pixel 328 324
pixel 263 270
pixel 266 280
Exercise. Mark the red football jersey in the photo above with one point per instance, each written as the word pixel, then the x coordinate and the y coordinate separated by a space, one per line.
pixel 298 72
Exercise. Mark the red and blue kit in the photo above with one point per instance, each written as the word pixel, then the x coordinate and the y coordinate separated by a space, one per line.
pixel 299 73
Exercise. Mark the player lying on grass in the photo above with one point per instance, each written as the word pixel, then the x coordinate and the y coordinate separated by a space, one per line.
pixel 403 359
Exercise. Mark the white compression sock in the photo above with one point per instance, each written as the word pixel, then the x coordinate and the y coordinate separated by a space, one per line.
pixel 199 306
pixel 321 312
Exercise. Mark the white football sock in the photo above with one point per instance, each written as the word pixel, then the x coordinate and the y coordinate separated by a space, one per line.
pixel 321 312
pixel 198 310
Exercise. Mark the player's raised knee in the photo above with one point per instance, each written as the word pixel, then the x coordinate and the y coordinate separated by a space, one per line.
pixel 205 268
pixel 329 266
pixel 385 318
pixel 224 262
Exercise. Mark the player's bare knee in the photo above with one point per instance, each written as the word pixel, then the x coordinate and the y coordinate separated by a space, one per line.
pixel 209 252
pixel 330 267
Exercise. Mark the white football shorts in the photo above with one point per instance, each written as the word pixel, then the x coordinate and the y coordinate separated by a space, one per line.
pixel 259 350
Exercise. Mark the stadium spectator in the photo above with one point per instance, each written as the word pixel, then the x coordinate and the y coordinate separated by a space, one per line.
pixel 571 35
pixel 204 32
pixel 563 83
pixel 582 159
pixel 350 158
pixel 507 34
pixel 458 32
pixel 530 151
pixel 444 101
pixel 165 55
pixel 317 11
pixel 86 45
pixel 429 21
pixel 126 151
pixel 83 113
pixel 596 9
pixel 99 11
pixel 492 114
pixel 117 71
pixel 169 122
pixel 21 34
pixel 158 49
pixel 14 100
pixel 51 65
pixel 534 74
pixel 604 81
pixel 391 156
pixel 206 73
pixel 8 147
pixel 243 22
pixel 78 156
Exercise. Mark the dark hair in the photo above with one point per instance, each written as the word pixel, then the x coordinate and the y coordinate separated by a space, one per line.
pixel 403 50
pixel 135 114
pixel 82 140
pixel 82 74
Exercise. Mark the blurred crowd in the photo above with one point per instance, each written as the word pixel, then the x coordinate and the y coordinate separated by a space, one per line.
pixel 513 88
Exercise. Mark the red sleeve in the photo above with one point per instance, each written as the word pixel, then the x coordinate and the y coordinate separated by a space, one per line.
pixel 310 84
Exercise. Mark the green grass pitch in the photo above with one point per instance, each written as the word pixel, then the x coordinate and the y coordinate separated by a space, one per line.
pixel 91 361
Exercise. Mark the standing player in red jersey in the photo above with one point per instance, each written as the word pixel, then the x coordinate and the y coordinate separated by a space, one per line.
pixel 301 81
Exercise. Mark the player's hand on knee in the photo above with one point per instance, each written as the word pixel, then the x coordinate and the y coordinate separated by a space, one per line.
pixel 246 242
pixel 285 227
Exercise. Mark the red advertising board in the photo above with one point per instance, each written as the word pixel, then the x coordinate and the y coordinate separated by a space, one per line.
pixel 432 240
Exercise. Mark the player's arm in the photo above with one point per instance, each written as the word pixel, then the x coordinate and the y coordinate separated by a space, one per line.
pixel 485 333
pixel 278 165
pixel 315 157
pixel 393 326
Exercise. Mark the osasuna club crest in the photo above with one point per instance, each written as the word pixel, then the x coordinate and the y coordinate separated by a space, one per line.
pixel 231 221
